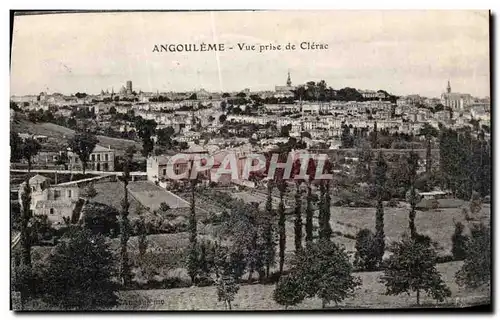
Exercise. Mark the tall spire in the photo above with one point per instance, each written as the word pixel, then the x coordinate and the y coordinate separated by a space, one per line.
pixel 448 88
pixel 289 80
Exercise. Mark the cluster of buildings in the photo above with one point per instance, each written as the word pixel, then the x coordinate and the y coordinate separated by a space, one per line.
pixel 193 114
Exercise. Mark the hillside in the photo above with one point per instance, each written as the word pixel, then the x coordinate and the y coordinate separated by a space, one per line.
pixel 60 134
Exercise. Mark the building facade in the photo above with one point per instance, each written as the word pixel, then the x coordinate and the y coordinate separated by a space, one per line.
pixel 101 159
pixel 57 202
pixel 454 100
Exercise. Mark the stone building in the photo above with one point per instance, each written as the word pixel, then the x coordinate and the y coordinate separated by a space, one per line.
pixel 454 100
pixel 57 202
pixel 101 159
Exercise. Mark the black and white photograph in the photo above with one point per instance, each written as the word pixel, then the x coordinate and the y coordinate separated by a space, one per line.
pixel 259 160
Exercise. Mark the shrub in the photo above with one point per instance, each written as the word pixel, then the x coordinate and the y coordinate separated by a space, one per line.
pixel 289 291
pixel 366 256
pixel 164 207
pixel 393 203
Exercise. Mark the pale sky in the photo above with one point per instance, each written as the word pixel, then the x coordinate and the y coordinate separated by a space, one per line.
pixel 402 52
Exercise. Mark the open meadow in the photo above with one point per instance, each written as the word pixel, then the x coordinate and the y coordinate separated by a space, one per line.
pixel 259 297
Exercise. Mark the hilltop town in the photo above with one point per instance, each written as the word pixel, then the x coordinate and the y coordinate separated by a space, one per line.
pixel 99 162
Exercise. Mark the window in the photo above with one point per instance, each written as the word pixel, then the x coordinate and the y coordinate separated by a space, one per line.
pixel 164 172
pixel 57 194
pixel 105 167
pixel 178 169
pixel 93 157
pixel 69 193
pixel 51 210
pixel 98 157
pixel 106 157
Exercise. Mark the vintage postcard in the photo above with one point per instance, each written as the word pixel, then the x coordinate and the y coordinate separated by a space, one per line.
pixel 250 160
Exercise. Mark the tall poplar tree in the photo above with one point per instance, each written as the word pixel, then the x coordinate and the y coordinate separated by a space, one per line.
pixel 380 180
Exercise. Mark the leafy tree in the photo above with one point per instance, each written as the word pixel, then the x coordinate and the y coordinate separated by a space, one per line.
pixel 281 184
pixel 16 147
pixel 459 241
pixel 413 166
pixel 268 231
pixel 165 136
pixel 245 229
pixel 23 282
pixel 40 229
pixel 226 277
pixel 465 162
pixel 364 166
pixel 147 146
pixel 192 264
pixel 412 267
pixel 164 206
pixel 24 272
pixel 62 160
pixel 476 270
pixel 380 180
pixel 325 271
pixel 100 218
pixel 285 130
pixel 90 191
pixel 281 232
pixel 298 206
pixel 145 130
pixel 306 134
pixel 142 231
pixel 367 256
pixel 183 145
pixel 14 106
pixel 374 136
pixel 125 275
pixel 289 291
pixel 83 145
pixel 80 272
pixel 25 218
pixel 346 138
pixel 311 171
pixel 30 148
pixel 325 230
pixel 428 132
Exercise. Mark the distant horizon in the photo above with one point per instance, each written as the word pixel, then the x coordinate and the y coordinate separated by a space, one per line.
pixel 401 52
pixel 116 91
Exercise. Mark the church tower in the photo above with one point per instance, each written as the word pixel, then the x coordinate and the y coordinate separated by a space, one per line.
pixel 448 88
pixel 289 80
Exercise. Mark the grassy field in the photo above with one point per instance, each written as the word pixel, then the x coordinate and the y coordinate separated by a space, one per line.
pixel 438 224
pixel 60 134
pixel 259 297
pixel 111 194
